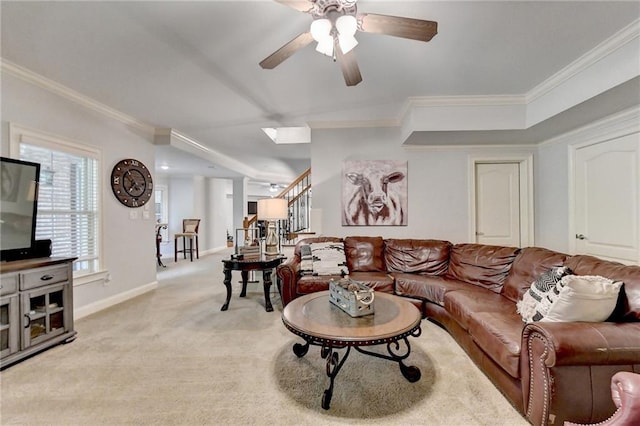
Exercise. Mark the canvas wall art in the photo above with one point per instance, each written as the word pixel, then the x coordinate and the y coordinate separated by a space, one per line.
pixel 374 192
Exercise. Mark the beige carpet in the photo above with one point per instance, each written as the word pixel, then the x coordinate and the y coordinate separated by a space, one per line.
pixel 172 357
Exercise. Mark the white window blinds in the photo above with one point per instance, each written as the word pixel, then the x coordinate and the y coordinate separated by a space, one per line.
pixel 68 203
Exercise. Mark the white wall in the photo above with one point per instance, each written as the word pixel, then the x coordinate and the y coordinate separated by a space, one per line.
pixel 181 202
pixel 551 183
pixel 128 245
pixel 219 213
pixel 438 192
pixel 205 198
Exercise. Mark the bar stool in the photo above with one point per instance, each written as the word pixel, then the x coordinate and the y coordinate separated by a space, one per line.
pixel 189 233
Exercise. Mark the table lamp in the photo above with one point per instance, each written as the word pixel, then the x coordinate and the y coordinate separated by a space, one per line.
pixel 271 210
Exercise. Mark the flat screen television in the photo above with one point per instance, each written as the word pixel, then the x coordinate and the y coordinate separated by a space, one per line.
pixel 18 207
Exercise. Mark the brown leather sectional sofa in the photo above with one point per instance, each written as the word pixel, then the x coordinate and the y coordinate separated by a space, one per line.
pixel 551 372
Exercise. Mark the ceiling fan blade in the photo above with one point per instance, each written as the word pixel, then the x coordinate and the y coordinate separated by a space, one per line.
pixel 301 5
pixel 415 29
pixel 279 56
pixel 349 65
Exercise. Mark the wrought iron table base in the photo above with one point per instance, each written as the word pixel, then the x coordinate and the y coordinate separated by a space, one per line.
pixel 335 362
pixel 266 278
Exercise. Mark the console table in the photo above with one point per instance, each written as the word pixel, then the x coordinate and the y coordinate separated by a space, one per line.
pixel 263 263
pixel 36 306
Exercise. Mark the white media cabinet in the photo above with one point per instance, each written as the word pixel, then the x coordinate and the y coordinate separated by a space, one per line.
pixel 36 306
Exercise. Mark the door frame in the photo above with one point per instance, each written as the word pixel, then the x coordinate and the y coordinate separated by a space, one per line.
pixel 526 193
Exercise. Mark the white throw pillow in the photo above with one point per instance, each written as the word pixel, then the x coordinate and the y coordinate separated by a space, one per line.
pixel 580 298
pixel 329 259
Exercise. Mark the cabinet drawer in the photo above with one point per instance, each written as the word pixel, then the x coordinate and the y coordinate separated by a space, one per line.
pixel 44 276
pixel 8 284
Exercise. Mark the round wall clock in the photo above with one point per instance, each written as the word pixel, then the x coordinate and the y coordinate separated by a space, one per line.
pixel 131 183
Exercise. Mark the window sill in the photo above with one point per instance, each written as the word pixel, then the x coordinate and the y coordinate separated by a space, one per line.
pixel 84 278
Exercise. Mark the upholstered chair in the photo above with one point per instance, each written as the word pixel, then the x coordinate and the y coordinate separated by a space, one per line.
pixel 625 392
pixel 188 235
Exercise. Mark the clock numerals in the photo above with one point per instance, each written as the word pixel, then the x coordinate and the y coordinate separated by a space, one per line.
pixel 116 180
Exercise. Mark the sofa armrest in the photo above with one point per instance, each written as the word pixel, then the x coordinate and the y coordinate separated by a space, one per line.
pixel 559 358
pixel 588 343
pixel 288 272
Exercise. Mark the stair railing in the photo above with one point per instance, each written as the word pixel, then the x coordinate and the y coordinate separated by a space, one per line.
pixel 298 196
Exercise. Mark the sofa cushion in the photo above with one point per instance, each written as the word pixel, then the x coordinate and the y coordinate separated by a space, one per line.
pixel 312 283
pixel 482 265
pixel 579 298
pixel 530 263
pixel 428 287
pixel 462 305
pixel 417 256
pixel 629 302
pixel 364 254
pixel 499 335
pixel 379 281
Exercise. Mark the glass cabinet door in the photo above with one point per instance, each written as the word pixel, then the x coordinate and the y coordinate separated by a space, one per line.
pixel 44 314
pixel 9 325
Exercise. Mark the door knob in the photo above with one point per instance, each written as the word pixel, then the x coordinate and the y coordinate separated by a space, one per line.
pixel 581 237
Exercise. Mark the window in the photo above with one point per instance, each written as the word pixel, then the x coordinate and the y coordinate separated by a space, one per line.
pixel 68 198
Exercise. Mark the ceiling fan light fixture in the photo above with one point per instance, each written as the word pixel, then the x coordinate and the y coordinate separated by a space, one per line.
pixel 347 25
pixel 321 29
pixel 325 46
pixel 347 43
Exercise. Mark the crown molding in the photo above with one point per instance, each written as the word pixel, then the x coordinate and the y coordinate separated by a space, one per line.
pixel 390 122
pixel 627 35
pixel 614 126
pixel 489 100
pixel 514 147
pixel 172 137
pixel 72 95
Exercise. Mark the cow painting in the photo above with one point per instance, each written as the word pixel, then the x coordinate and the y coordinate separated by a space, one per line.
pixel 374 193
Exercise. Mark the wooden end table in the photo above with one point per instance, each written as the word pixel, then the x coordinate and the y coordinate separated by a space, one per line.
pixel 263 263
pixel 321 323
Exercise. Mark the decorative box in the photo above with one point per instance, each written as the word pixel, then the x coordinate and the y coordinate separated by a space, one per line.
pixel 353 297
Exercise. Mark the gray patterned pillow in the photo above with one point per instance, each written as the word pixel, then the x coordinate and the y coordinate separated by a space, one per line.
pixel 306 260
pixel 528 306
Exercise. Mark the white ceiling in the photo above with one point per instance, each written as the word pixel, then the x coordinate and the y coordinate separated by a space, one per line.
pixel 193 66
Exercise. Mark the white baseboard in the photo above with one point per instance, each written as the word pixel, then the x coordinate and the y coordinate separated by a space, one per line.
pixel 202 252
pixel 92 308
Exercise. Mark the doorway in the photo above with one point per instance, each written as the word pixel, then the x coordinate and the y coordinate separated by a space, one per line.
pixel 501 201
pixel 606 199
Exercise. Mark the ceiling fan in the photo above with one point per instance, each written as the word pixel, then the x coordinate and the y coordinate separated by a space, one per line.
pixel 334 25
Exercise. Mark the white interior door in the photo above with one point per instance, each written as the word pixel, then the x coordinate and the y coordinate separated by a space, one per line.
pixel 607 193
pixel 498 203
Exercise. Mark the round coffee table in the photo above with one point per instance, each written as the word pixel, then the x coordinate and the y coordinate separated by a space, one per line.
pixel 323 324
